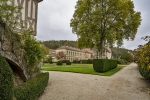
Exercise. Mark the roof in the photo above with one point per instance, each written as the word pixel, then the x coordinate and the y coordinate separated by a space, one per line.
pixel 70 48
pixel 40 0
pixel 86 50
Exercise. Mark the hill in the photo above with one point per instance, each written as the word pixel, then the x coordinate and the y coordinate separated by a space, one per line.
pixel 54 44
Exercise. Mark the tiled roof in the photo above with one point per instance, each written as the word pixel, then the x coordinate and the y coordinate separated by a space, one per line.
pixel 87 50
pixel 69 48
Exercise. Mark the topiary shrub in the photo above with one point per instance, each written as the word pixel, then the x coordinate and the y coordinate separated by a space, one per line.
pixel 59 63
pixel 89 61
pixel 6 80
pixel 68 62
pixel 103 65
pixel 33 88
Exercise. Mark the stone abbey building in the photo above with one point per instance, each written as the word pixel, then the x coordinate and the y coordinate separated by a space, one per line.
pixel 72 53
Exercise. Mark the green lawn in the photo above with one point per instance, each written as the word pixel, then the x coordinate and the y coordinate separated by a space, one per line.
pixel 78 68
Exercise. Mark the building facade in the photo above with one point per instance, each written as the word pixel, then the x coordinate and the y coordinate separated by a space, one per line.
pixel 106 53
pixel 28 12
pixel 79 54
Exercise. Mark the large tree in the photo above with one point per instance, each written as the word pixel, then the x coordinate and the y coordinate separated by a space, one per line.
pixel 104 22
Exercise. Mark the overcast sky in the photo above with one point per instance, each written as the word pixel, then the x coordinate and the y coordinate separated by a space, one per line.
pixel 54 21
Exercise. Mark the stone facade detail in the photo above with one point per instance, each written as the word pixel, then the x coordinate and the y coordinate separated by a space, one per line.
pixel 10 49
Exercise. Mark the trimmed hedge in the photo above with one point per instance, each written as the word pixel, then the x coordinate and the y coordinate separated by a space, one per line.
pixel 103 65
pixel 59 63
pixel 68 62
pixel 6 80
pixel 89 61
pixel 33 88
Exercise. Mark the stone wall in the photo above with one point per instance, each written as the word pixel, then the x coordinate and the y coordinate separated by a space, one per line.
pixel 10 48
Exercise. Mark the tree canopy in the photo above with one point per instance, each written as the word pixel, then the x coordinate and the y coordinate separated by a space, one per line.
pixel 54 44
pixel 126 56
pixel 104 22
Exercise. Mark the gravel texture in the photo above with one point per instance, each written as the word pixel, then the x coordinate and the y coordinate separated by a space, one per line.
pixel 127 84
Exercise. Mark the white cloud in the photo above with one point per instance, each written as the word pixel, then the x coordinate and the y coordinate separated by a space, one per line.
pixel 54 21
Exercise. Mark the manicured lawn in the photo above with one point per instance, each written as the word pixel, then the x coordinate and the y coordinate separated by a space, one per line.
pixel 78 68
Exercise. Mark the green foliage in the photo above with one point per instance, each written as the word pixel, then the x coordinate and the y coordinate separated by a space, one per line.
pixel 97 23
pixel 6 80
pixel 76 61
pixel 122 61
pixel 145 72
pixel 10 14
pixel 103 65
pixel 89 61
pixel 126 56
pixel 142 56
pixel 117 52
pixel 59 63
pixel 33 88
pixel 54 44
pixel 68 62
pixel 34 51
pixel 50 60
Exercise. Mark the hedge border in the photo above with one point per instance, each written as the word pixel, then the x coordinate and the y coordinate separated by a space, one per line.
pixel 103 65
pixel 33 88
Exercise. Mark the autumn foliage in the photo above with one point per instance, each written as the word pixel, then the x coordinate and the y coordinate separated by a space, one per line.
pixel 61 56
pixel 142 56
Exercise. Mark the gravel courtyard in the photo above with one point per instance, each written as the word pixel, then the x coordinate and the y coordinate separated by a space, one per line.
pixel 127 84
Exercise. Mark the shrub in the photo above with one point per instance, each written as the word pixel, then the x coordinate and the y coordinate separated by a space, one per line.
pixel 59 63
pixel 68 62
pixel 89 61
pixel 142 56
pixel 6 80
pixel 33 88
pixel 145 72
pixel 76 61
pixel 122 61
pixel 103 65
pixel 63 61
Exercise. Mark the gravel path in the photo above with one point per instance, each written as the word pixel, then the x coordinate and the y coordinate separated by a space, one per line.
pixel 126 84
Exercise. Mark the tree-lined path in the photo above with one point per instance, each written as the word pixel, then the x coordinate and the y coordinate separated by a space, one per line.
pixel 127 84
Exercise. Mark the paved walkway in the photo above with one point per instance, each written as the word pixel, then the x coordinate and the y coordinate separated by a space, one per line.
pixel 126 84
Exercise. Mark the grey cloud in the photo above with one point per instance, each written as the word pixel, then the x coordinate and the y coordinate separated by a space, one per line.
pixel 54 21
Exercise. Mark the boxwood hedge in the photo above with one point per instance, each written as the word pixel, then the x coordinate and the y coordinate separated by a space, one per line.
pixel 89 61
pixel 59 63
pixel 68 62
pixel 103 65
pixel 6 80
pixel 33 88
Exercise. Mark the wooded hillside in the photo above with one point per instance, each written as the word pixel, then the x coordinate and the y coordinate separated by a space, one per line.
pixel 54 44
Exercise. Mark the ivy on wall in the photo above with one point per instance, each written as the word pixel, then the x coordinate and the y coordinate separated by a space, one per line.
pixel 24 42
pixel 33 49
